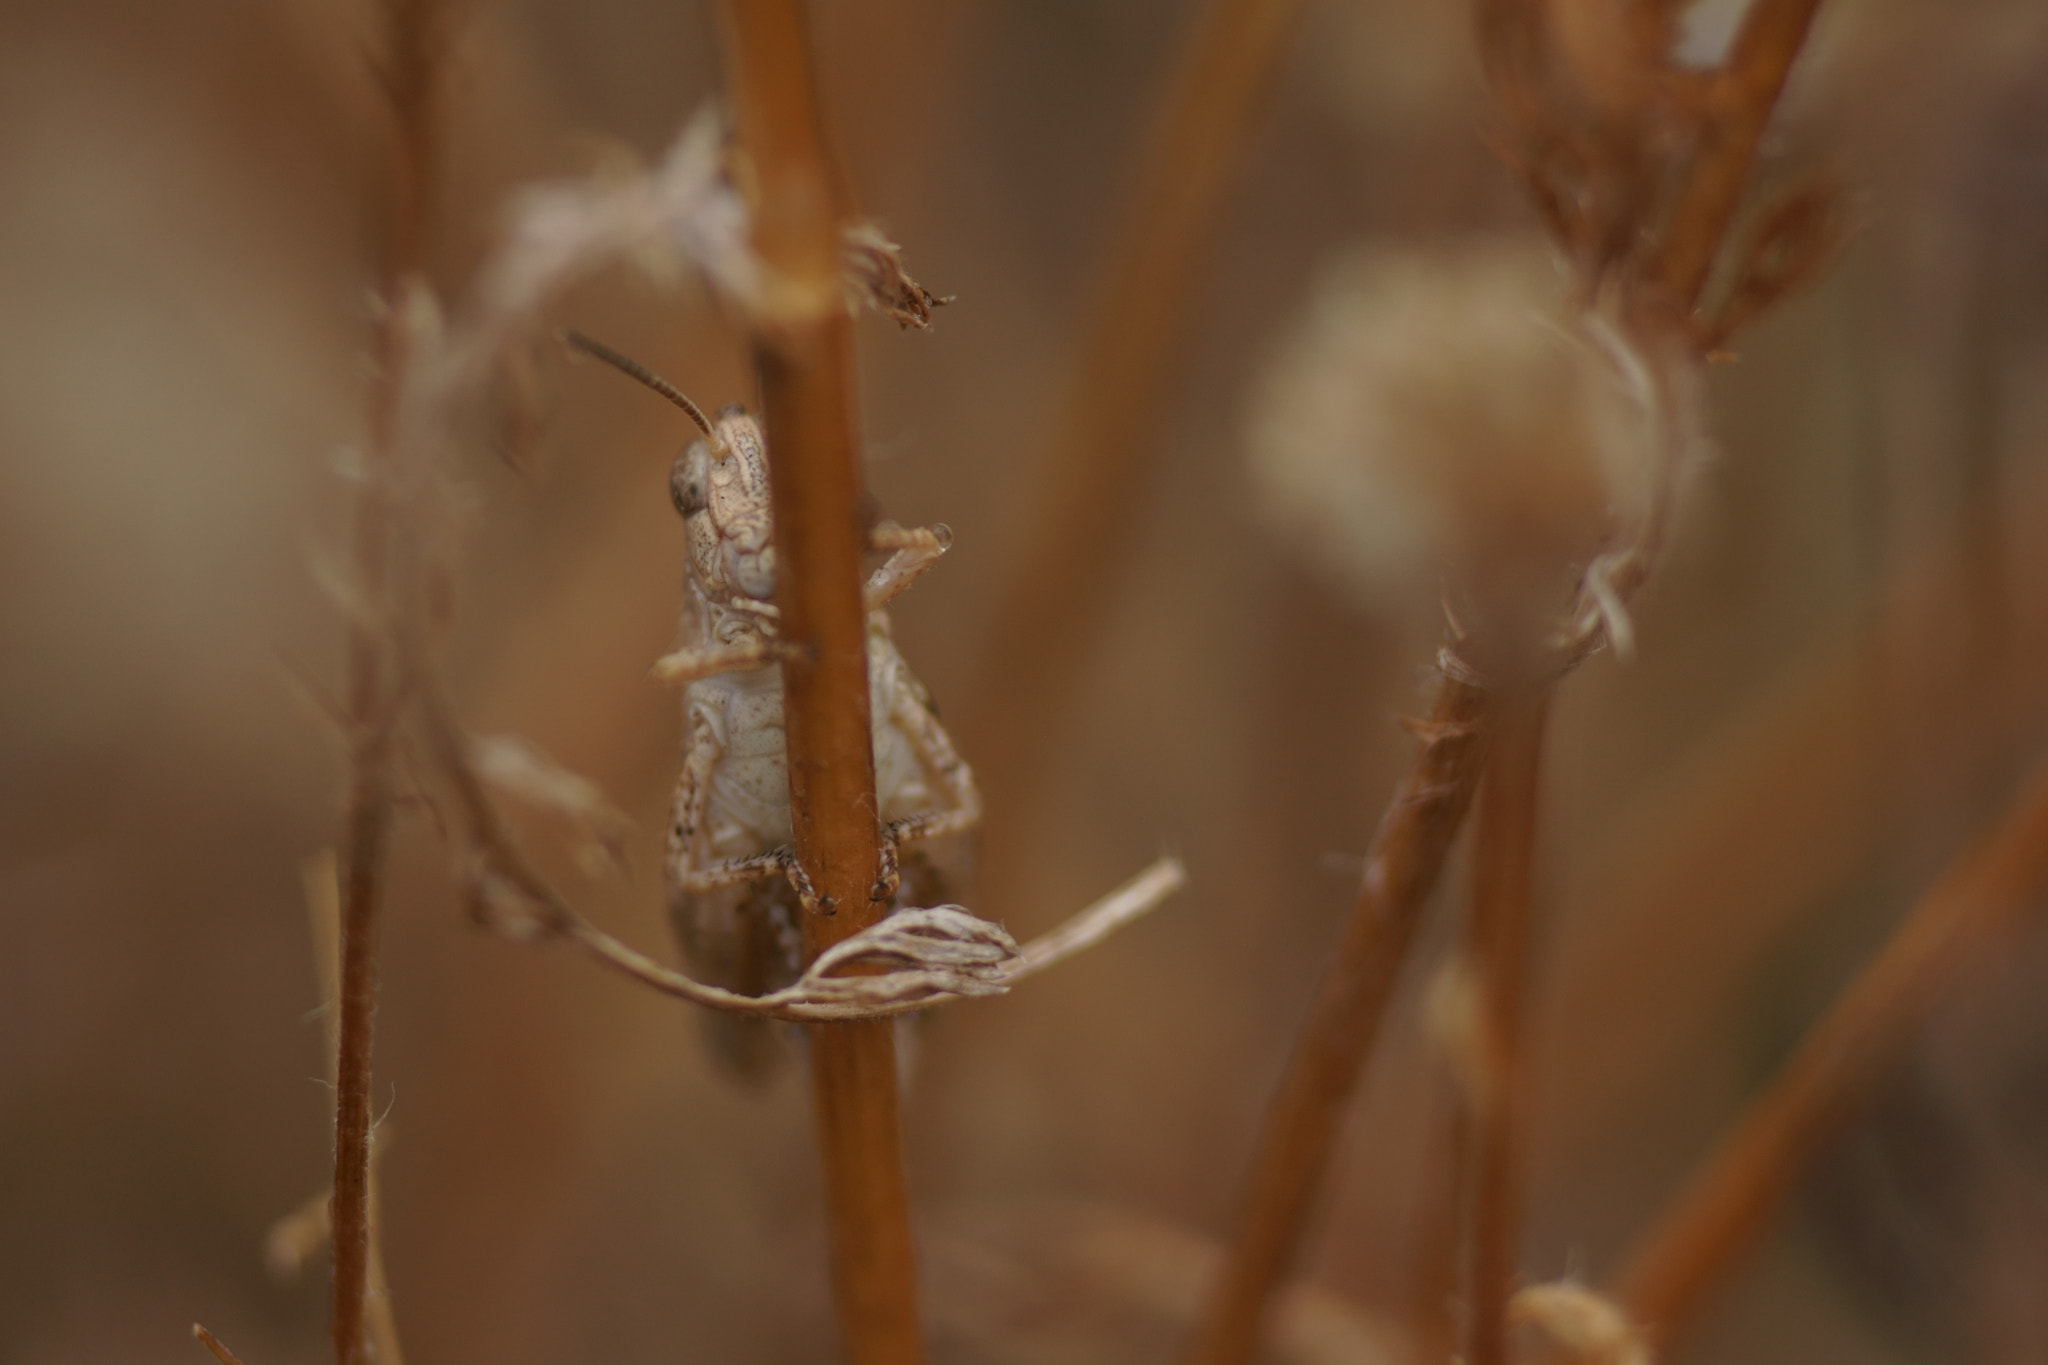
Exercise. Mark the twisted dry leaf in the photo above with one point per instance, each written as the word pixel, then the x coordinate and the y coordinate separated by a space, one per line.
pixel 911 955
pixel 926 957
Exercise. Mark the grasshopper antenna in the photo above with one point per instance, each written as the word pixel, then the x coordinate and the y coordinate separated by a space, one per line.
pixel 576 341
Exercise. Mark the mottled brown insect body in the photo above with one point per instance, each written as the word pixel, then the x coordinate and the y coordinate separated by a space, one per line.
pixel 735 889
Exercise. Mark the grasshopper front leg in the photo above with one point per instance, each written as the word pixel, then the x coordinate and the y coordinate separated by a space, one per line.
pixel 916 549
pixel 733 871
pixel 693 663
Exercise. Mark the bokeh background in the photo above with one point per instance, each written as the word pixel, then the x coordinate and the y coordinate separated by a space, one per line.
pixel 1843 673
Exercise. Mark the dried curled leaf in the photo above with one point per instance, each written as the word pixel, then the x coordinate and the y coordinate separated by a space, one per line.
pixel 916 955
pixel 875 278
pixel 1656 366
pixel 1586 1328
pixel 925 957
pixel 515 767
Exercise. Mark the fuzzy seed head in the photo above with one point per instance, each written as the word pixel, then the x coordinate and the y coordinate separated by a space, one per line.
pixel 1451 414
pixel 1583 1327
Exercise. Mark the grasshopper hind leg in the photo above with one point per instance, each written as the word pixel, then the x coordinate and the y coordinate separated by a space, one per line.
pixel 742 937
pixel 933 872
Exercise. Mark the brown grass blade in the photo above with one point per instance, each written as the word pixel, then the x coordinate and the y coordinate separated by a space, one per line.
pixel 1732 1195
pixel 1301 1127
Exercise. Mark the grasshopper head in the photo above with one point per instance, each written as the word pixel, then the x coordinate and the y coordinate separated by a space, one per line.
pixel 720 486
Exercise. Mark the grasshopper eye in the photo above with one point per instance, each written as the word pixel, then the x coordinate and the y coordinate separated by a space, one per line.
pixel 686 491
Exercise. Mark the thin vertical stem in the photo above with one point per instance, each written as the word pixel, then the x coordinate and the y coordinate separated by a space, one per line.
pixel 367 834
pixel 1498 950
pixel 804 350
pixel 1439 1289
pixel 409 78
pixel 1107 441
pixel 1301 1127
pixel 323 915
pixel 1733 1194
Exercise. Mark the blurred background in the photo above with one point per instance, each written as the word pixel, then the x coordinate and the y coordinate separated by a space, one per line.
pixel 1843 673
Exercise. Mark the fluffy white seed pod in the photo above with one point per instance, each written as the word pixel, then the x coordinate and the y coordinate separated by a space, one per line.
pixel 1450 414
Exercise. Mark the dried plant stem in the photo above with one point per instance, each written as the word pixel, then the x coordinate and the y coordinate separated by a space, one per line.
pixel 1803 781
pixel 1498 949
pixel 298 1235
pixel 368 828
pixel 805 355
pixel 1429 805
pixel 1984 893
pixel 1744 94
pixel 1301 1127
pixel 215 1346
pixel 409 78
pixel 366 838
pixel 1107 442
pixel 1436 1308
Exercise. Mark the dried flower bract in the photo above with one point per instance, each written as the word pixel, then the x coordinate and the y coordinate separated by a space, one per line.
pixel 875 278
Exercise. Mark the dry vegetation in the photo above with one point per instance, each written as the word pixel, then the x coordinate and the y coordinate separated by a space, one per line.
pixel 1637 395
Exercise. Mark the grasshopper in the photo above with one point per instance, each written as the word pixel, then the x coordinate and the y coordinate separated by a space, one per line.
pixel 734 885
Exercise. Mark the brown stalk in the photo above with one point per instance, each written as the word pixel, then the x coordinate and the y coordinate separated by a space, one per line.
pixel 804 351
pixel 1437 1299
pixel 1430 802
pixel 1742 95
pixel 1498 949
pixel 1729 1200
pixel 1804 781
pixel 409 79
pixel 298 1235
pixel 1742 98
pixel 215 1346
pixel 1107 441
pixel 1301 1127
